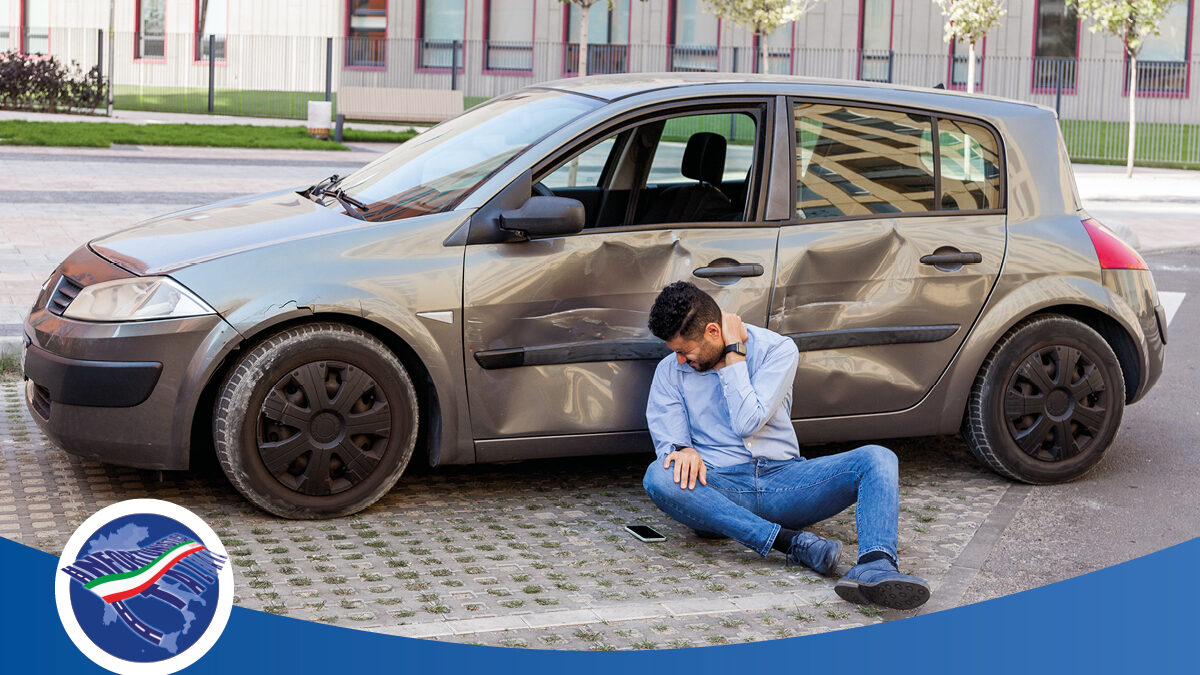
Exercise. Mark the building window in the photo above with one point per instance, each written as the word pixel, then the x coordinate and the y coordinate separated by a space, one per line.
pixel 1162 66
pixel 36 31
pixel 779 50
pixel 875 40
pixel 440 31
pixel 150 41
pixel 1055 47
pixel 508 35
pixel 695 37
pixel 608 38
pixel 211 20
pixel 366 32
pixel 5 29
pixel 959 52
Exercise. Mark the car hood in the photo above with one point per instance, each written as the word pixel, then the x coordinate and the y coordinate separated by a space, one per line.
pixel 167 243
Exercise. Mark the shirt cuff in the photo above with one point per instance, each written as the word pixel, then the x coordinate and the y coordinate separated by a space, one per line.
pixel 734 377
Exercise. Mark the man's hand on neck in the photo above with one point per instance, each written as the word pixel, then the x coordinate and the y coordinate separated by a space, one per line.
pixel 732 330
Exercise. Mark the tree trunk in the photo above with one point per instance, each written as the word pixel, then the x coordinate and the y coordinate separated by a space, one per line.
pixel 971 68
pixel 1132 123
pixel 763 67
pixel 583 39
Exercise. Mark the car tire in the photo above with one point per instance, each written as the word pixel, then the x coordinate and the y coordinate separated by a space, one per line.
pixel 1046 403
pixel 286 418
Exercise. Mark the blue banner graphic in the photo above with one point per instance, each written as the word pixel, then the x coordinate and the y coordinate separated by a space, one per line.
pixel 1140 616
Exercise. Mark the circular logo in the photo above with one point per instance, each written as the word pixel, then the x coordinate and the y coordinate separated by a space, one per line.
pixel 144 587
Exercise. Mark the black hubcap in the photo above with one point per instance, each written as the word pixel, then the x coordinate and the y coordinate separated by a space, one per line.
pixel 1056 403
pixel 323 428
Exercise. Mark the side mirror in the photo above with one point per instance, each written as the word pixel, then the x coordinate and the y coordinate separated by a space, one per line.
pixel 545 217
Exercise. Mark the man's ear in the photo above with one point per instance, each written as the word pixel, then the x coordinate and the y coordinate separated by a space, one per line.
pixel 713 331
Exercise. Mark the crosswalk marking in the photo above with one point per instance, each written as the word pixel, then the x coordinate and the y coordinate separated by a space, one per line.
pixel 1171 300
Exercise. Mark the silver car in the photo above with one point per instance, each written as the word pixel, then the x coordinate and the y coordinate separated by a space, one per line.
pixel 480 294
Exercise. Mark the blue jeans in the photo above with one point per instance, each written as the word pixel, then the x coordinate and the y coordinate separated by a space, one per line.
pixel 749 502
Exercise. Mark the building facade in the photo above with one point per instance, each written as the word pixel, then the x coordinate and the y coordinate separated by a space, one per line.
pixel 1041 52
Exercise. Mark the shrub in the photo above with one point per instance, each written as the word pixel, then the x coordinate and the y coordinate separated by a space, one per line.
pixel 43 83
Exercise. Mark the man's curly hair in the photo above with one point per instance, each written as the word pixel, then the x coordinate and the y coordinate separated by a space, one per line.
pixel 682 310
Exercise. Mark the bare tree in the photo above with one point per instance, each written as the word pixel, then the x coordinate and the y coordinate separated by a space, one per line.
pixel 970 20
pixel 1132 21
pixel 761 16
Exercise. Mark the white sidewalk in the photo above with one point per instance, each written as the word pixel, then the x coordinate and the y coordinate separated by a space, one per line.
pixel 149 117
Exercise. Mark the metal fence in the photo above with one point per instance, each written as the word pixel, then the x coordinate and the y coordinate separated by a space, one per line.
pixel 275 76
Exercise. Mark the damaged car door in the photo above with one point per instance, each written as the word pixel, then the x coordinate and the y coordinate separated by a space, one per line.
pixel 555 327
pixel 898 239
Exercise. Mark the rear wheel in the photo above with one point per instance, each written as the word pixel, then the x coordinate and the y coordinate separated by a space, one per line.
pixel 318 421
pixel 1046 403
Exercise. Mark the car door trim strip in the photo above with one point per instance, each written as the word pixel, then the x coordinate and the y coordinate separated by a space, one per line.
pixel 643 349
pixel 866 337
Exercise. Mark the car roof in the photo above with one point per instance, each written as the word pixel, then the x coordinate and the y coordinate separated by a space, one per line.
pixel 615 87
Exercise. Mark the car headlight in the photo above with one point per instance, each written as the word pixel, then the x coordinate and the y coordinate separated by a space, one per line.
pixel 136 300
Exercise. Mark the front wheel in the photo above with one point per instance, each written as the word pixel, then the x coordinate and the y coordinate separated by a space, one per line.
pixel 318 421
pixel 1046 403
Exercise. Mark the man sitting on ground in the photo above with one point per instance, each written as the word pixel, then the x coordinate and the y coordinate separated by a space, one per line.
pixel 729 463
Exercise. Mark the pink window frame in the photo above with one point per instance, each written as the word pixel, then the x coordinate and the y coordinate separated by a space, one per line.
pixel 1187 65
pixel 566 33
pixel 196 35
pixel 346 39
pixel 671 10
pixel 791 50
pixel 420 33
pixel 1033 88
pixel 487 29
pixel 950 66
pixel 862 8
pixel 137 33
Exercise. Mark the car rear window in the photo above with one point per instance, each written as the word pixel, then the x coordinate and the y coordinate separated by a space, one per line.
pixel 856 161
pixel 859 161
pixel 970 166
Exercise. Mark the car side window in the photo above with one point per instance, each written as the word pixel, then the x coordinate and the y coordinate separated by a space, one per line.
pixel 582 170
pixel 970 166
pixel 859 161
pixel 736 128
pixel 685 169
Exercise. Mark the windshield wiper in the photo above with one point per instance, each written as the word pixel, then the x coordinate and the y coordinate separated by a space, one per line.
pixel 315 191
pixel 353 206
pixel 328 187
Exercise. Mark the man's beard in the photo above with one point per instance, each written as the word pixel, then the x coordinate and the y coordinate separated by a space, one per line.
pixel 708 358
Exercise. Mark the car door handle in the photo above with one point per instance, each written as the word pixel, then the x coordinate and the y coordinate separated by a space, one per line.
pixel 952 259
pixel 747 270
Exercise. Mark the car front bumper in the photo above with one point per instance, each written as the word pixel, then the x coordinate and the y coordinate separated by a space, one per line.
pixel 124 392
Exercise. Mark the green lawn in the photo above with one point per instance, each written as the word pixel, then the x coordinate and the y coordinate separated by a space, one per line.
pixel 252 103
pixel 1158 144
pixel 104 134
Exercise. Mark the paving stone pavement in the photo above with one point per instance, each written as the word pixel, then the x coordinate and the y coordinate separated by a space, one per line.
pixel 531 554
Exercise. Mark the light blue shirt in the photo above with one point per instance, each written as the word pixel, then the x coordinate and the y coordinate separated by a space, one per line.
pixel 733 415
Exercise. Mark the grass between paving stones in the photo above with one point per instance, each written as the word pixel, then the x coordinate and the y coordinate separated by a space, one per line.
pixel 105 134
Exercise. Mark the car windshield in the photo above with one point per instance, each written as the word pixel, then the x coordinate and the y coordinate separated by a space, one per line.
pixel 431 172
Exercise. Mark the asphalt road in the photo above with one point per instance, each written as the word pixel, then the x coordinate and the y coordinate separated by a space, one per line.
pixel 1142 497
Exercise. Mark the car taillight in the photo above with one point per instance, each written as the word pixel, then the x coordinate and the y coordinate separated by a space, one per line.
pixel 1114 254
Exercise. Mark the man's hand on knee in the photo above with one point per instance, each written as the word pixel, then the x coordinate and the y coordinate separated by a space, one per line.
pixel 688 467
